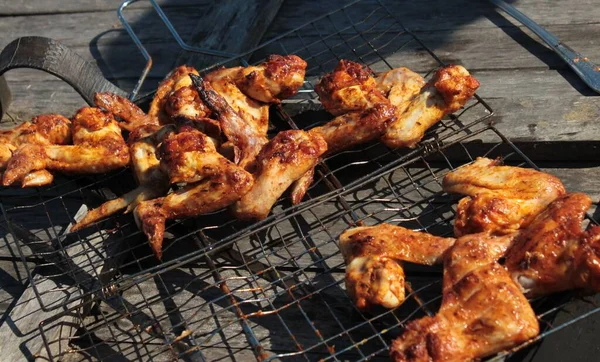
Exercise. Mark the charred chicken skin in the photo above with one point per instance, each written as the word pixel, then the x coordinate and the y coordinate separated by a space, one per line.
pixel 254 113
pixel 553 253
pixel 286 158
pixel 374 256
pixel 247 140
pixel 98 147
pixel 213 182
pixel 449 90
pixel 483 310
pixel 177 79
pixel 500 199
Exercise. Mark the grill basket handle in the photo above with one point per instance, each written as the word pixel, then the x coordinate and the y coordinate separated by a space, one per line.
pixel 46 54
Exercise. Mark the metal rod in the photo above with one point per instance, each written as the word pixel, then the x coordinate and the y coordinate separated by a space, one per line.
pixel 581 65
pixel 140 46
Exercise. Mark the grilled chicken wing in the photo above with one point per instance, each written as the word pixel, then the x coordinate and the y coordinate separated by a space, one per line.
pixel 152 180
pixel 450 88
pixel 246 138
pixel 123 108
pixel 553 253
pixel 213 183
pixel 501 199
pixel 355 128
pixel 45 129
pixel 98 147
pixel 400 86
pixel 184 105
pixel 286 158
pixel 278 78
pixel 177 79
pixel 374 256
pixel 349 88
pixel 363 112
pixel 254 113
pixel 483 311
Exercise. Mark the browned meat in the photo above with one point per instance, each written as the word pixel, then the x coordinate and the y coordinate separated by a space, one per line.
pixel 184 105
pixel 177 79
pixel 47 129
pixel 355 128
pixel 449 90
pixel 501 199
pixel 213 183
pixel 278 78
pixel 363 112
pixel 349 88
pixel 152 180
pixel 123 108
pixel 553 253
pixel 286 158
pixel 98 147
pixel 483 311
pixel 247 140
pixel 373 256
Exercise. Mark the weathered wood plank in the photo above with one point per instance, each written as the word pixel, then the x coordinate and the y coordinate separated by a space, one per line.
pixel 435 15
pixel 85 6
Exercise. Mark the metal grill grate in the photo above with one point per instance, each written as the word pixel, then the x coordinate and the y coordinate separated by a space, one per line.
pixel 280 287
pixel 230 289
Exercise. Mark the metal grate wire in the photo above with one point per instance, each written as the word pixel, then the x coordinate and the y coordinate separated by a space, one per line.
pixel 228 289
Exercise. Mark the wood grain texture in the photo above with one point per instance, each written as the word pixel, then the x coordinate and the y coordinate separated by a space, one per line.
pixel 84 6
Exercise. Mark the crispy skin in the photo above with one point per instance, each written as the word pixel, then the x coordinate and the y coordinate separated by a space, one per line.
pixel 190 156
pixel 278 78
pixel 152 180
pixel 349 88
pixel 177 79
pixel 373 255
pixel 483 311
pixel 449 90
pixel 46 129
pixel 553 253
pixel 247 140
pixel 355 128
pixel 254 113
pixel 501 199
pixel 213 183
pixel 400 86
pixel 285 159
pixel 98 147
pixel 184 105
pixel 133 117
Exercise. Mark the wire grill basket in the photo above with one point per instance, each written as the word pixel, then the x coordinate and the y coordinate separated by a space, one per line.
pixel 272 289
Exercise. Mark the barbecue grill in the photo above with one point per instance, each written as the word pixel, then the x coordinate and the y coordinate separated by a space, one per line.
pixel 271 289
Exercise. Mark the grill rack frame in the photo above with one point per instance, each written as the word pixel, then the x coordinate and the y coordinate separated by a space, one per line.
pixel 319 294
pixel 92 190
pixel 446 135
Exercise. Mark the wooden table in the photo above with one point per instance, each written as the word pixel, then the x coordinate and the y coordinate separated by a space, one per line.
pixel 540 104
